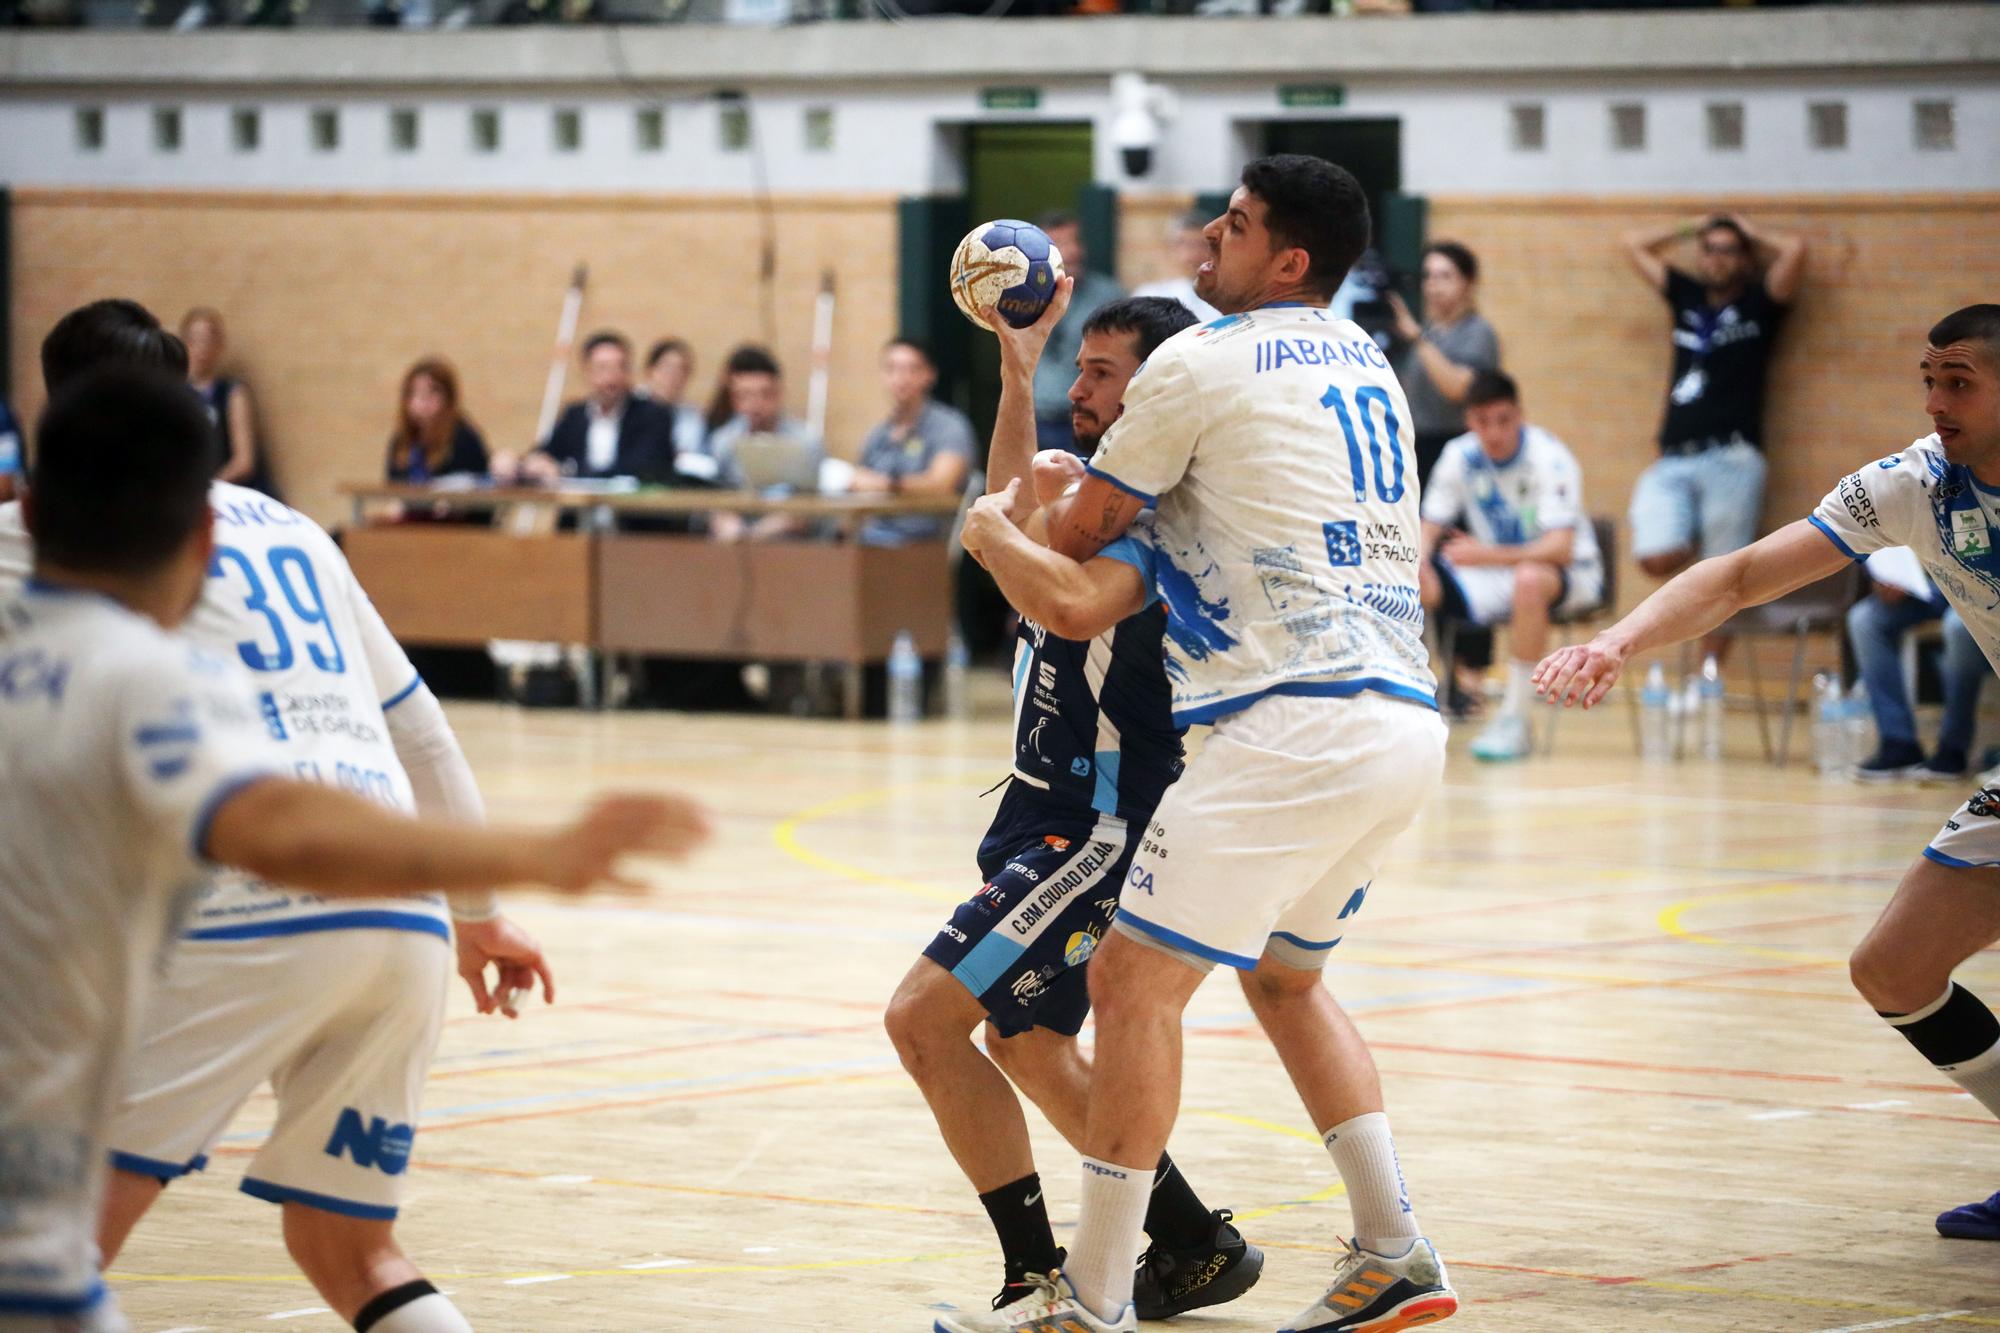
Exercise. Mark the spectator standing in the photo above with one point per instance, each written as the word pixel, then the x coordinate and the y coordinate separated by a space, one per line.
pixel 611 433
pixel 924 448
pixel 433 438
pixel 1442 354
pixel 1876 626
pixel 1189 249
pixel 228 401
pixel 11 459
pixel 1705 493
pixel 1525 548
pixel 1057 368
pixel 669 367
pixel 756 389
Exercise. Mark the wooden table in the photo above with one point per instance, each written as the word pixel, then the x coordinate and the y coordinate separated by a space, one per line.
pixel 668 595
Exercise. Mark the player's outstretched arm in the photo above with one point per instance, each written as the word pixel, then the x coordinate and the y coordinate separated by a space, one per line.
pixel 1012 452
pixel 1069 600
pixel 333 842
pixel 1690 605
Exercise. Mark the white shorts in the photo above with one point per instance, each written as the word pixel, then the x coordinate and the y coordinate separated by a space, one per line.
pixel 1971 837
pixel 1273 835
pixel 343 1024
pixel 1488 590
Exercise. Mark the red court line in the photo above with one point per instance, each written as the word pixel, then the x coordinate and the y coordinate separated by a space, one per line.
pixel 645 1052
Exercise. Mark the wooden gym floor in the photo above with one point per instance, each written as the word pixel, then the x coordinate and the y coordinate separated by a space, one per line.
pixel 1631 1087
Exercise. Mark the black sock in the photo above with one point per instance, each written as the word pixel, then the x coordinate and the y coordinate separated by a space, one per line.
pixel 1175 1217
pixel 1021 1220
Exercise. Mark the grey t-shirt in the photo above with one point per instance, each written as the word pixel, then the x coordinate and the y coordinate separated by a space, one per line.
pixel 1468 342
pixel 939 429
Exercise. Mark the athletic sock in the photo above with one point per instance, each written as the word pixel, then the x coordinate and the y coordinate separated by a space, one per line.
pixel 1520 688
pixel 414 1307
pixel 1176 1217
pixel 1021 1221
pixel 1107 1244
pixel 1365 1154
pixel 1961 1038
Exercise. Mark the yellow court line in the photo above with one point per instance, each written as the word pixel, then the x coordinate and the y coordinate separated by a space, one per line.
pixel 1335 1191
pixel 786 835
pixel 1670 922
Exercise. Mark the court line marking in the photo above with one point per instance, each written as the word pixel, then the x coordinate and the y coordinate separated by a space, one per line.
pixel 786 836
pixel 1898 1323
pixel 1670 923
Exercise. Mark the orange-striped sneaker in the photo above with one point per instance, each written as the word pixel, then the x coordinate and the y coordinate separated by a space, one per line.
pixel 1372 1293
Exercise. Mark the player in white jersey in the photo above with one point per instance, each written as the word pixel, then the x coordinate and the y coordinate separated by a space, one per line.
pixel 1274 441
pixel 1941 498
pixel 281 600
pixel 130 762
pixel 1506 542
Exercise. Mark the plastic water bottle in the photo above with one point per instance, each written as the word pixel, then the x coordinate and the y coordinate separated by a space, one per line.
pixel 957 688
pixel 1857 723
pixel 1829 743
pixel 906 680
pixel 1655 702
pixel 1711 708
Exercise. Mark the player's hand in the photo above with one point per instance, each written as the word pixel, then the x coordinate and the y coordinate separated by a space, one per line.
pixel 516 958
pixel 1053 472
pixel 989 519
pixel 1407 327
pixel 1023 347
pixel 1464 550
pixel 1582 673
pixel 589 852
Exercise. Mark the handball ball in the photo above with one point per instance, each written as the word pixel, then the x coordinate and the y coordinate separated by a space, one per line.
pixel 1010 265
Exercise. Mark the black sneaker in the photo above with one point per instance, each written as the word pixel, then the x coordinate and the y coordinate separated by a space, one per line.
pixel 1174 1281
pixel 1016 1287
pixel 1943 766
pixel 1892 761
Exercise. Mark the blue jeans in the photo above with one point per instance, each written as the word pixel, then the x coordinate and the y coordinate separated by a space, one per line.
pixel 1875 628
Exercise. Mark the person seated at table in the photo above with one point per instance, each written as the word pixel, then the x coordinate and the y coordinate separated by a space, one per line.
pixel 610 433
pixel 433 438
pixel 762 448
pixel 1876 626
pixel 924 448
pixel 669 367
pixel 1526 549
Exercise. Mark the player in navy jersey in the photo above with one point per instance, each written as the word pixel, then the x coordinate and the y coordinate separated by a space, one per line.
pixel 1095 747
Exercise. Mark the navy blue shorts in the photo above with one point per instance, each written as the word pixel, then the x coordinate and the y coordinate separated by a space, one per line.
pixel 1052 872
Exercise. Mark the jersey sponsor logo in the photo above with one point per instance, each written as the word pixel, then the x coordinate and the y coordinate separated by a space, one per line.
pixel 1060 844
pixel 1354 903
pixel 1891 461
pixel 1079 767
pixel 1343 543
pixel 1052 894
pixel 33 674
pixel 1141 879
pixel 1031 985
pixel 1280 352
pixel 1855 496
pixel 274 718
pixel 257 512
pixel 954 932
pixel 1395 600
pixel 1080 946
pixel 1984 805
pixel 376 1145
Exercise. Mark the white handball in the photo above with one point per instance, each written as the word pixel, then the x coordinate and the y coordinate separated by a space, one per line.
pixel 1009 265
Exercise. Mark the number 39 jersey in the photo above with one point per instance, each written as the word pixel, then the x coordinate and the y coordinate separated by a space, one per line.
pixel 1277 443
pixel 282 602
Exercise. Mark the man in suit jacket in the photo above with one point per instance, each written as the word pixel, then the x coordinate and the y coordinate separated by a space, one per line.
pixel 611 433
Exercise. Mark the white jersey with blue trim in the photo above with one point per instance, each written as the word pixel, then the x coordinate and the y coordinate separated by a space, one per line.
pixel 1277 445
pixel 117 744
pixel 282 602
pixel 1919 498
pixel 1537 491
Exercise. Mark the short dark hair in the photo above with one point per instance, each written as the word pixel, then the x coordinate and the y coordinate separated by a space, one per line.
pixel 1973 324
pixel 1314 205
pixel 114 331
pixel 1153 319
pixel 1491 386
pixel 1058 217
pixel 607 338
pixel 665 346
pixel 123 457
pixel 751 359
pixel 1461 258
pixel 917 345
pixel 1723 222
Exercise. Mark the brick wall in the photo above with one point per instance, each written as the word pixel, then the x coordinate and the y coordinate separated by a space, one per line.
pixel 329 298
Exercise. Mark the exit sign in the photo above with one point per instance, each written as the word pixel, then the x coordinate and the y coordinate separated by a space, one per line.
pixel 1311 94
pixel 1010 99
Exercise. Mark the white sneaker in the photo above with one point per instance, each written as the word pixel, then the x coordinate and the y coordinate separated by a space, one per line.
pixel 1506 737
pixel 1051 1307
pixel 1372 1293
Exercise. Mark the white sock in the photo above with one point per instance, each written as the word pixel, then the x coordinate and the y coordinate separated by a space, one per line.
pixel 426 1314
pixel 1110 1232
pixel 1365 1153
pixel 1520 688
pixel 1980 1076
